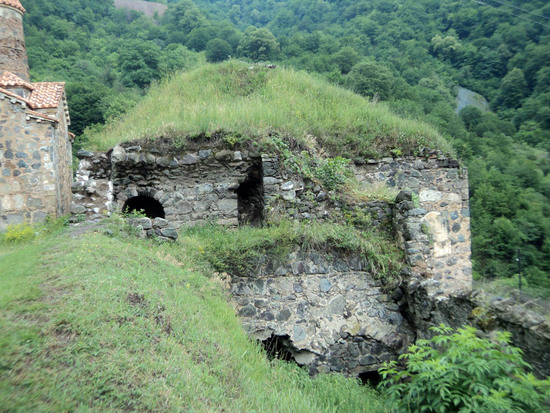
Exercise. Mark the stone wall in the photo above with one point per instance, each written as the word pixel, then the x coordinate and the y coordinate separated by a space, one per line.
pixel 325 311
pixel 426 308
pixel 431 215
pixel 192 187
pixel 287 194
pixel 28 173
pixel 13 55
pixel 208 185
pixel 62 162
pixel 430 218
pixel 92 187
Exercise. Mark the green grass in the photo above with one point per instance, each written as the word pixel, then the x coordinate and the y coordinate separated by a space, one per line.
pixel 241 252
pixel 98 323
pixel 245 102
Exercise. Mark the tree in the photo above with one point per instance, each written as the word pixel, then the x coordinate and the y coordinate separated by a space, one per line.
pixel 199 38
pixel 139 61
pixel 176 57
pixel 217 50
pixel 513 89
pixel 370 78
pixel 446 47
pixel 471 116
pixel 185 16
pixel 86 103
pixel 258 45
pixel 346 58
pixel 460 372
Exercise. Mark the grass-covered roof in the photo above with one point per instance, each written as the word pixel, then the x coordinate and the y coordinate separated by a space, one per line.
pixel 250 102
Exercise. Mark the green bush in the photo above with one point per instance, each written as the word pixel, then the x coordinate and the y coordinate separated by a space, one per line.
pixel 19 233
pixel 333 172
pixel 460 372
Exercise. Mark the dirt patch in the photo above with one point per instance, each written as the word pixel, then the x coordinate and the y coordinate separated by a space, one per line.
pixel 65 333
pixel 157 313
pixel 137 300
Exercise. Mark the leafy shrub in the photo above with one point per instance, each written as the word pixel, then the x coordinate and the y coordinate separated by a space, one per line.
pixel 19 233
pixel 333 172
pixel 460 372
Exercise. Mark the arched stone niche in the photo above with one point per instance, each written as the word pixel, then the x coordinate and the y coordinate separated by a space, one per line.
pixel 145 204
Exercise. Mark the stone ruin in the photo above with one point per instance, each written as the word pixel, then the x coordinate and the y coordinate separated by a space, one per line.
pixel 327 312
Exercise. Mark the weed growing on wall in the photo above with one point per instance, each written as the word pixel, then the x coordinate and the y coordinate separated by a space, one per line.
pixel 331 173
pixel 242 252
pixel 456 371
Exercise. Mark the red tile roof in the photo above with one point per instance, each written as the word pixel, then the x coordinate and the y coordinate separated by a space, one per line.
pixel 47 95
pixel 8 79
pixel 44 95
pixel 13 3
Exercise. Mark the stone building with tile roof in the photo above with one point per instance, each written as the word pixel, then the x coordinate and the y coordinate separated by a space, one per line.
pixel 35 145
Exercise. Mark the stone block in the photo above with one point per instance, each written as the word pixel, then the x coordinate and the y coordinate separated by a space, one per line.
pixel 169 232
pixel 204 154
pixel 224 155
pixel 325 285
pixel 225 205
pixel 11 219
pixel 189 160
pixel 289 196
pixel 269 180
pixel 287 186
pixel 39 216
pixel 429 195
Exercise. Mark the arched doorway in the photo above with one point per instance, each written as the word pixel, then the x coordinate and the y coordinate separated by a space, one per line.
pixel 146 204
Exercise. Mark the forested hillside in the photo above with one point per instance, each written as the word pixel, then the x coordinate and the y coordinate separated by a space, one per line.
pixel 410 53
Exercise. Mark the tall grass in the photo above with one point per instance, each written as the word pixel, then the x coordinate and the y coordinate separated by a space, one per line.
pixel 254 101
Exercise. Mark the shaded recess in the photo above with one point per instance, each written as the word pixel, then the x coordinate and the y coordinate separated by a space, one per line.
pixel 371 378
pixel 250 195
pixel 149 206
pixel 278 347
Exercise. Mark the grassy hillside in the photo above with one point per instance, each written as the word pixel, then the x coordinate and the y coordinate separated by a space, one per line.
pixel 250 102
pixel 102 323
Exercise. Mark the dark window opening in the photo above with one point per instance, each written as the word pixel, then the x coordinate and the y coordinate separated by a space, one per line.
pixel 370 378
pixel 278 347
pixel 149 206
pixel 250 195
